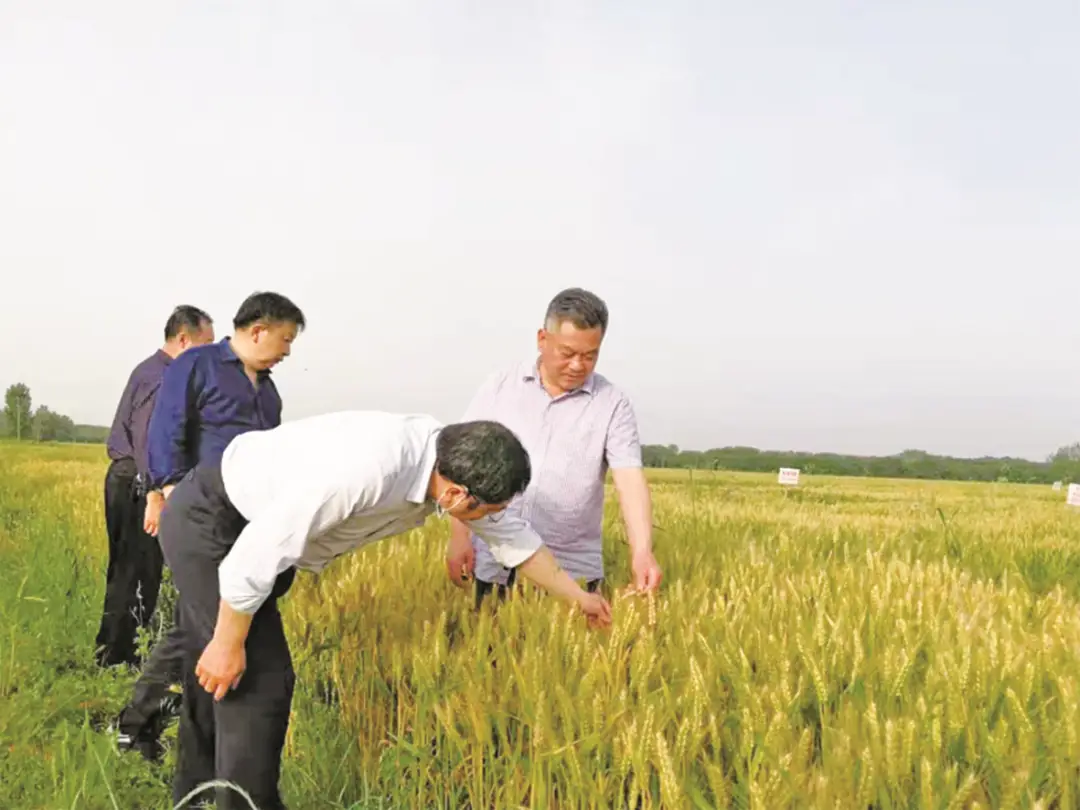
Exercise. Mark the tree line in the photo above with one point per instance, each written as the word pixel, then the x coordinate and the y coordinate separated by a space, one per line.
pixel 1063 465
pixel 21 421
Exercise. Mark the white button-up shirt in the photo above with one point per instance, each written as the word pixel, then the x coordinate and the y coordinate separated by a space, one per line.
pixel 316 488
pixel 573 440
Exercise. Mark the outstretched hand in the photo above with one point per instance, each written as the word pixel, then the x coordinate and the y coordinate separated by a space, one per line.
pixel 646 570
pixel 596 609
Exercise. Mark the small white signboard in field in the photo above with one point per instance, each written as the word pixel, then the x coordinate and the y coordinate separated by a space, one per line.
pixel 1073 498
pixel 788 476
pixel 1057 486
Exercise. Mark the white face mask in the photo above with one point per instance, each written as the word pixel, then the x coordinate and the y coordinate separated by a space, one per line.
pixel 440 511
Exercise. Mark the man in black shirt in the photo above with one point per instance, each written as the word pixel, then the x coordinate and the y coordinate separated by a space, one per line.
pixel 133 577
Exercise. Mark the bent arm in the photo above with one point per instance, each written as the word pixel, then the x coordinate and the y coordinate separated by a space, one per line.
pixel 544 570
pixel 515 544
pixel 459 533
pixel 274 541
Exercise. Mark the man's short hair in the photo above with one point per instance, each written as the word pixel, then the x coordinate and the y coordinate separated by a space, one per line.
pixel 188 319
pixel 485 457
pixel 583 309
pixel 268 307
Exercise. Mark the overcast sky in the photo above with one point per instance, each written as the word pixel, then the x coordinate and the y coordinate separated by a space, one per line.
pixel 822 226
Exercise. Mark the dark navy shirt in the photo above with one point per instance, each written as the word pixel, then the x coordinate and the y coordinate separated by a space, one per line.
pixel 127 438
pixel 206 400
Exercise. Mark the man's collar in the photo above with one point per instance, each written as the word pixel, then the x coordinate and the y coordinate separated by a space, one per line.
pixel 226 350
pixel 230 356
pixel 418 491
pixel 530 372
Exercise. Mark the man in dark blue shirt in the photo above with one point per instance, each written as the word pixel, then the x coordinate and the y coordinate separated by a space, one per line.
pixel 133 577
pixel 207 397
pixel 212 395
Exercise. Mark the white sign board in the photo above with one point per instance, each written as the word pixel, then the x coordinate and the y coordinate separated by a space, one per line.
pixel 1073 498
pixel 788 476
pixel 1057 486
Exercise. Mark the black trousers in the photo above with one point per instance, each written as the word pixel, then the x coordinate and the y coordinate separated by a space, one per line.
pixel 484 588
pixel 133 577
pixel 240 738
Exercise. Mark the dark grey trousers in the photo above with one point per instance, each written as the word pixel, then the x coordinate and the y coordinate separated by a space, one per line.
pixel 239 739
pixel 162 669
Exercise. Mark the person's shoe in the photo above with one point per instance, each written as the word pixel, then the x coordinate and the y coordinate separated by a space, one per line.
pixel 147 739
pixel 124 742
pixel 146 743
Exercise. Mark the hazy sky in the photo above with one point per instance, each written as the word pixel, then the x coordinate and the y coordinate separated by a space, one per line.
pixel 824 226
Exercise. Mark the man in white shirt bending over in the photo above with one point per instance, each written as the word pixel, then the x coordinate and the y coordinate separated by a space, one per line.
pixel 297 496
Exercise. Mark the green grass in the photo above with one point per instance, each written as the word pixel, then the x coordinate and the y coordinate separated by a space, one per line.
pixel 54 701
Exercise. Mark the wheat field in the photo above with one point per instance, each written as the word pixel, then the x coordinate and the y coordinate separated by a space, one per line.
pixel 848 644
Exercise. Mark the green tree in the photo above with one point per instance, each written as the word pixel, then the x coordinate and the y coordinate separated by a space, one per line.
pixel 41 424
pixel 17 411
pixel 64 429
pixel 52 427
pixel 1070 452
pixel 1065 463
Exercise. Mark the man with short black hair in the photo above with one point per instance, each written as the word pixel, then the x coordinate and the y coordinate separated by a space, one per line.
pixel 133 577
pixel 576 426
pixel 223 390
pixel 208 397
pixel 299 496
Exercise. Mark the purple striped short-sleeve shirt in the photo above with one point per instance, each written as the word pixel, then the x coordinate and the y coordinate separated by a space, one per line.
pixel 572 439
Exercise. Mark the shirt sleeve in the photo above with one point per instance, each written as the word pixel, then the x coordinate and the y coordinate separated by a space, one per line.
pixel 277 537
pixel 167 450
pixel 510 539
pixel 122 417
pixel 142 407
pixel 622 447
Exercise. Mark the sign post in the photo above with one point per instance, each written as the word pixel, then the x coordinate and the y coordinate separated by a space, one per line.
pixel 789 477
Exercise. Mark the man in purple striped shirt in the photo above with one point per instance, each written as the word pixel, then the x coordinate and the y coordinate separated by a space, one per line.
pixel 576 426
pixel 131 510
